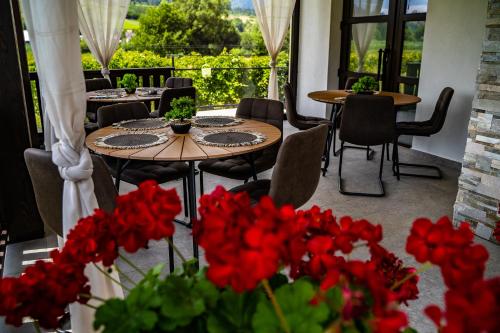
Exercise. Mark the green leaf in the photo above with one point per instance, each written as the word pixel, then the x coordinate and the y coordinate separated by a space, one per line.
pixel 278 280
pixel 234 312
pixel 410 330
pixel 294 300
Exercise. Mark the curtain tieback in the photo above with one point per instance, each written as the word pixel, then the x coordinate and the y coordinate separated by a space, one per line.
pixel 272 63
pixel 105 71
pixel 73 166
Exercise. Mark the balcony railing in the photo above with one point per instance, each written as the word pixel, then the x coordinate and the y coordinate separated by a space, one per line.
pixel 211 84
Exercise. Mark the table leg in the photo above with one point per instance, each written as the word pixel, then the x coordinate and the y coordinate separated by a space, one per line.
pixel 192 204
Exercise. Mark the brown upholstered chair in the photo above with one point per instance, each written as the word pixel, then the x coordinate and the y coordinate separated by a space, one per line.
pixel 93 85
pixel 248 166
pixel 424 128
pixel 289 183
pixel 367 121
pixel 48 186
pixel 168 95
pixel 350 82
pixel 305 122
pixel 135 171
pixel 179 82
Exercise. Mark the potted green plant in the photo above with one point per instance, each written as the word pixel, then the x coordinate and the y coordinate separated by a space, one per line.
pixel 183 108
pixel 365 85
pixel 129 82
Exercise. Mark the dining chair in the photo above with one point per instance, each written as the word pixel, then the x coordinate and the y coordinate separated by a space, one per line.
pixel 423 128
pixel 91 112
pixel 306 122
pixel 48 186
pixel 244 167
pixel 289 183
pixel 179 82
pixel 168 95
pixel 367 121
pixel 136 171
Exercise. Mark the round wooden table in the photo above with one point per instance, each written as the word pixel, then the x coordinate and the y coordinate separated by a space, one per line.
pixel 135 97
pixel 338 96
pixel 184 148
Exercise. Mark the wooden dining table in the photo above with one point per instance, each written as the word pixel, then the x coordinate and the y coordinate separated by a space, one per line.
pixel 337 99
pixel 183 147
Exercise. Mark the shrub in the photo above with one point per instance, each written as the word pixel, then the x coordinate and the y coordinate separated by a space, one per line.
pixel 182 108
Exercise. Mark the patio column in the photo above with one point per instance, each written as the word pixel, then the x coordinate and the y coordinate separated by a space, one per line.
pixel 478 198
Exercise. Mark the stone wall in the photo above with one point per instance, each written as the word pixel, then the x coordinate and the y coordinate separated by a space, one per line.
pixel 478 198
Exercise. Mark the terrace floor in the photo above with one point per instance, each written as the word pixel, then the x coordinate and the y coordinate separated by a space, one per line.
pixel 406 200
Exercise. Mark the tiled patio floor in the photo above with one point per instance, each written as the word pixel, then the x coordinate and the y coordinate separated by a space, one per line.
pixel 406 200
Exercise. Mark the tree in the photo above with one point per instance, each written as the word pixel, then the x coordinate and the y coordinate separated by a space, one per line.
pixel 187 25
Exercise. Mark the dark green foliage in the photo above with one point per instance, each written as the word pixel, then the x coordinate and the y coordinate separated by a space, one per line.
pixel 129 81
pixel 182 108
pixel 366 83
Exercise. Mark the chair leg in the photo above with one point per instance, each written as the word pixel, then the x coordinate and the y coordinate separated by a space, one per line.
pixel 184 192
pixel 202 188
pixel 388 147
pixel 363 194
pixel 395 160
pixel 171 265
pixel 397 164
pixel 328 146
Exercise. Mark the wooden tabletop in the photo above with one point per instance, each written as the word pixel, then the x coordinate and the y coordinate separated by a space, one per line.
pixel 183 147
pixel 333 97
pixel 135 97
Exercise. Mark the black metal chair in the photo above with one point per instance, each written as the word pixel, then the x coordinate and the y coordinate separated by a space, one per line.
pixel 289 183
pixel 367 121
pixel 244 167
pixel 91 113
pixel 337 113
pixel 170 94
pixel 135 171
pixel 306 122
pixel 179 82
pixel 423 128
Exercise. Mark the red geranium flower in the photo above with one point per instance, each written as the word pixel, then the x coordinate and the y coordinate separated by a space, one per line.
pixel 496 232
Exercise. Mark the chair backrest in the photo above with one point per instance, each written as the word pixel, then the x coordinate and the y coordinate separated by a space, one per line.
pixel 48 186
pixel 441 110
pixel 170 94
pixel 291 110
pixel 179 82
pixel 261 109
pixel 298 167
pixel 110 114
pixel 350 82
pixel 368 120
pixel 97 84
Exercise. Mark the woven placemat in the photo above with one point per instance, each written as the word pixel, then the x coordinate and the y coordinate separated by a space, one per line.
pixel 149 91
pixel 3 247
pixel 108 93
pixel 141 124
pixel 216 121
pixel 229 138
pixel 131 140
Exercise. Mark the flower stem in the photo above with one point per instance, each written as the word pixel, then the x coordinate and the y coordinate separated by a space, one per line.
pixel 276 305
pixel 110 277
pixel 90 306
pixel 37 326
pixel 426 266
pixel 176 250
pixel 125 275
pixel 92 297
pixel 131 264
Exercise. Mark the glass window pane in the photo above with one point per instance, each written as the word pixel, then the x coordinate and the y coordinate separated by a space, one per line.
pixel 412 48
pixel 370 7
pixel 367 39
pixel 416 6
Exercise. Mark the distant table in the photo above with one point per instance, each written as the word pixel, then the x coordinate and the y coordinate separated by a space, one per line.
pixel 337 98
pixel 138 96
pixel 183 147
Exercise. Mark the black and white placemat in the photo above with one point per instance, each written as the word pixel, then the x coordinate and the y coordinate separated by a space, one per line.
pixel 141 124
pixel 108 93
pixel 229 138
pixel 216 121
pixel 132 140
pixel 3 247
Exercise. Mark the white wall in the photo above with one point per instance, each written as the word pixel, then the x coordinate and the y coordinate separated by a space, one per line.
pixel 454 31
pixel 314 54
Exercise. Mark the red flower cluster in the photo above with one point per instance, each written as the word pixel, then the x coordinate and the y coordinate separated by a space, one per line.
pixel 472 303
pixel 244 245
pixel 46 288
pixel 496 232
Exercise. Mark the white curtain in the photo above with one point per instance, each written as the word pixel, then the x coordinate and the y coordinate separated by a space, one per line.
pixel 274 20
pixel 101 24
pixel 362 33
pixel 54 36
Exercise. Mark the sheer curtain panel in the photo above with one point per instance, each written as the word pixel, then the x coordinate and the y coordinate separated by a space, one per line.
pixel 101 24
pixel 362 33
pixel 274 18
pixel 53 31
